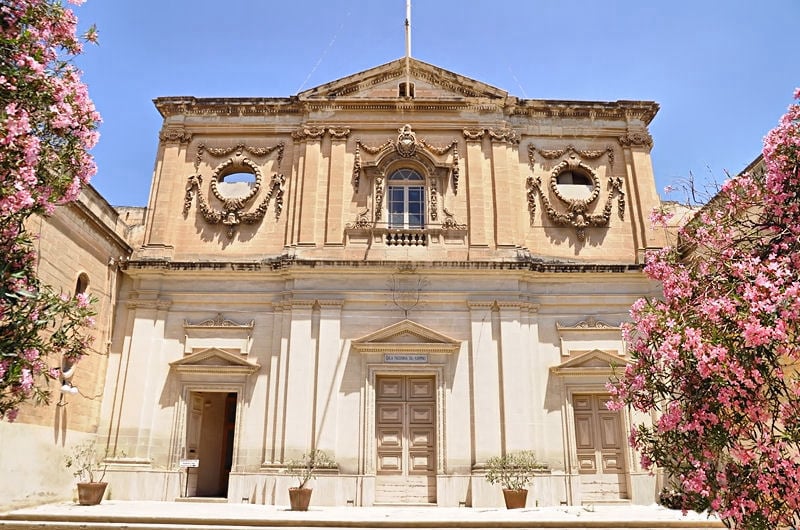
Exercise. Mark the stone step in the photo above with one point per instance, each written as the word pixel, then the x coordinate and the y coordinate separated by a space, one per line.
pixel 216 516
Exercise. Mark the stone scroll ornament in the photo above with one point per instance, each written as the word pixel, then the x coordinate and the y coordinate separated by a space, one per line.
pixel 233 208
pixel 575 212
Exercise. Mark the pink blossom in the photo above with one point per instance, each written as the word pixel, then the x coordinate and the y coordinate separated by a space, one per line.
pixel 26 380
pixel 44 161
pixel 83 299
pixel 710 356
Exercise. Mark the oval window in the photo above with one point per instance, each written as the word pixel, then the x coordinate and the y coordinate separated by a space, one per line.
pixel 236 185
pixel 573 185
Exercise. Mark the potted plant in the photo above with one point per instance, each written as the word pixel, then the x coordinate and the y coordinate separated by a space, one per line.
pixel 513 471
pixel 90 473
pixel 304 470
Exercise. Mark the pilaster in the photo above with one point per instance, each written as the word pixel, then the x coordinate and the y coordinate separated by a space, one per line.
pixel 485 383
pixel 503 141
pixel 479 197
pixel 143 376
pixel 169 163
pixel 636 146
pixel 329 374
pixel 515 367
pixel 276 392
pixel 311 214
pixel 299 404
pixel 337 173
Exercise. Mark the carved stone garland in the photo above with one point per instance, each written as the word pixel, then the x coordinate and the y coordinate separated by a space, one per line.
pixel 233 212
pixel 576 213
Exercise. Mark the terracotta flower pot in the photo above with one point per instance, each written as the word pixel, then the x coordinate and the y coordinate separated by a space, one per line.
pixel 515 498
pixel 299 499
pixel 91 493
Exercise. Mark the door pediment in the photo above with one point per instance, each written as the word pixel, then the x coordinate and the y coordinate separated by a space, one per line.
pixel 215 362
pixel 595 362
pixel 406 336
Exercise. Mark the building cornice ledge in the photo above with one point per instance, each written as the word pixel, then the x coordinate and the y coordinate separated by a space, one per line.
pixel 288 263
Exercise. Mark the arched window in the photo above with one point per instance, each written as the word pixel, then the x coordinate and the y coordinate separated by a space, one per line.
pixel 82 284
pixel 406 199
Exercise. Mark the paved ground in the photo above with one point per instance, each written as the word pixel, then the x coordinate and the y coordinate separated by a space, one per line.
pixel 206 516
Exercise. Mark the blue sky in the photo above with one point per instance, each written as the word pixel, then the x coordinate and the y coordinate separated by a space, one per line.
pixel 723 72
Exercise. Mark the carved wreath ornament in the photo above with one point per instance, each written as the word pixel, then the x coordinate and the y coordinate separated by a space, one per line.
pixel 575 212
pixel 232 212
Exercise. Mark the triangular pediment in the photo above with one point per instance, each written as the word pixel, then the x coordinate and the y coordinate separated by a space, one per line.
pixel 591 362
pixel 381 82
pixel 215 360
pixel 406 336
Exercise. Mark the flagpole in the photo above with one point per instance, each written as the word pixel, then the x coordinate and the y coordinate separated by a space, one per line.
pixel 408 48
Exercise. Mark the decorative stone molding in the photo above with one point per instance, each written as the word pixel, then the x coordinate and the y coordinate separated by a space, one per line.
pixel 379 197
pixel 233 208
pixel 596 363
pixel 330 304
pixel 214 364
pixel 391 152
pixel 238 150
pixel 636 139
pixel 406 142
pixel 504 134
pixel 339 132
pixel 406 336
pixel 406 146
pixel 456 172
pixel 159 304
pixel 589 323
pixel 300 305
pixel 588 154
pixel 308 132
pixel 174 135
pixel 434 201
pixel 362 221
pixel 218 332
pixel 575 213
pixel 450 223
pixel 589 334
pixel 218 321
pixel 357 166
pixel 474 135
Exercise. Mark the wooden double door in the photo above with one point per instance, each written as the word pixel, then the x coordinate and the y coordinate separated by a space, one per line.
pixel 600 445
pixel 405 408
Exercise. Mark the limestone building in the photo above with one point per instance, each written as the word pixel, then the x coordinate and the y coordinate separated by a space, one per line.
pixel 79 249
pixel 407 268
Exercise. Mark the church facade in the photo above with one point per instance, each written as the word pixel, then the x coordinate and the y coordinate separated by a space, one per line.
pixel 406 268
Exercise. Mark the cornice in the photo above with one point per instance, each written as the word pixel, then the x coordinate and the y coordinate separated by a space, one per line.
pixel 627 111
pixel 160 304
pixel 131 267
pixel 624 110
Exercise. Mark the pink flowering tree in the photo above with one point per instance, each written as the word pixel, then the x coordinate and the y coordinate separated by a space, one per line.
pixel 717 357
pixel 47 125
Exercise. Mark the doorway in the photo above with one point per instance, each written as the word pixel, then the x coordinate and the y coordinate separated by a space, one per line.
pixel 405 408
pixel 600 448
pixel 210 436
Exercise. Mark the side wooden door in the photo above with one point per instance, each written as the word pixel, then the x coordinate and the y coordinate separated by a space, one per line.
pixel 600 445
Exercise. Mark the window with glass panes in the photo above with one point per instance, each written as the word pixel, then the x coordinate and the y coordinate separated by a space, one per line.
pixel 406 199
